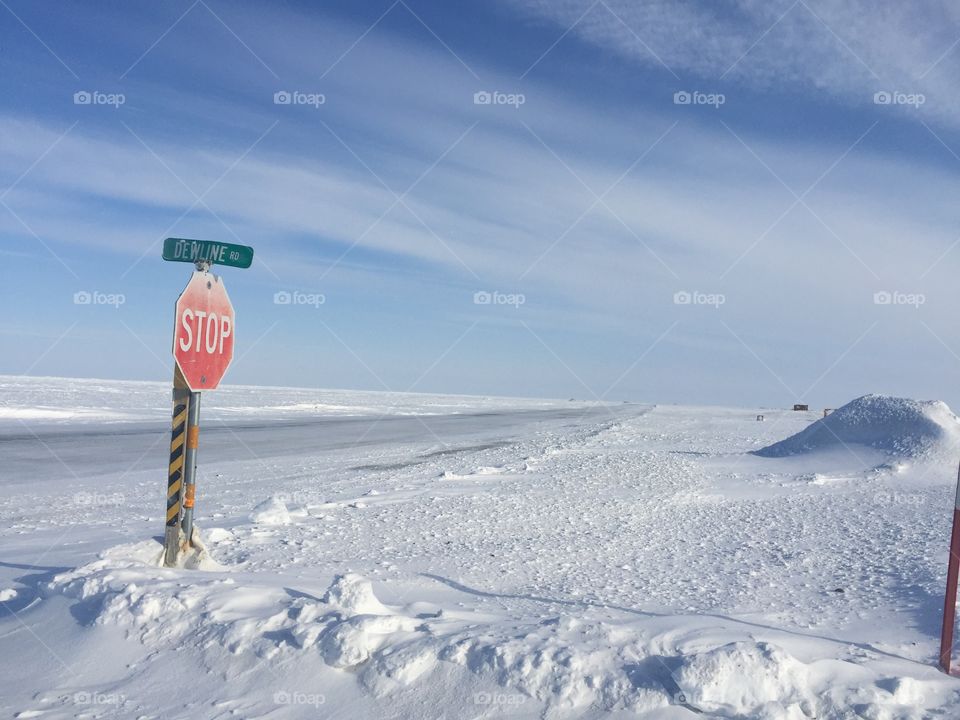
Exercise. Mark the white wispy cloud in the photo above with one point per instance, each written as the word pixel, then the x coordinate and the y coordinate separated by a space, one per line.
pixel 849 49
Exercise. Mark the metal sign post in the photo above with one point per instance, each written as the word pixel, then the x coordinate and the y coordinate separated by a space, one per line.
pixel 190 466
pixel 950 597
pixel 203 339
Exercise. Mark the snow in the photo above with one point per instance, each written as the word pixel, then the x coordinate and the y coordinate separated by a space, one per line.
pixel 272 511
pixel 79 400
pixel 476 558
pixel 900 427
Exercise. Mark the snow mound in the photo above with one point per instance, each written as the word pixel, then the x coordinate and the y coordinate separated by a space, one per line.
pixel 353 594
pixel 272 511
pixel 363 625
pixel 741 677
pixel 900 427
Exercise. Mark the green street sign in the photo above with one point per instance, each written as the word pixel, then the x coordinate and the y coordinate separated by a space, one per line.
pixel 215 253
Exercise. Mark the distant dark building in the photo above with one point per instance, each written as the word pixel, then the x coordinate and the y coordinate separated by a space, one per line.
pixel 801 407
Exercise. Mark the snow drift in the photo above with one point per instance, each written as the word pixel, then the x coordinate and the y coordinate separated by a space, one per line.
pixel 604 661
pixel 899 427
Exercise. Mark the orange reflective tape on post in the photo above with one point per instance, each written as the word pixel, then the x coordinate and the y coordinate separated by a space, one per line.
pixel 188 495
pixel 193 437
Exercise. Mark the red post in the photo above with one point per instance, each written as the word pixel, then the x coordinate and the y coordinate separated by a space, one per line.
pixel 950 598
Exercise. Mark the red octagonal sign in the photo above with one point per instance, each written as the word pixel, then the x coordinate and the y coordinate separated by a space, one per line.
pixel 203 335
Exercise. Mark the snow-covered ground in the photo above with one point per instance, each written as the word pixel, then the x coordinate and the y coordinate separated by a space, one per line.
pixel 53 400
pixel 408 556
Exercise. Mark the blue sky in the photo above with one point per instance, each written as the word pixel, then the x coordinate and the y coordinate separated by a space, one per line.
pixel 788 235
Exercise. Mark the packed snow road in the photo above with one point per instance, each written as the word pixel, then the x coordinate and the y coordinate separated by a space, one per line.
pixel 36 450
pixel 475 558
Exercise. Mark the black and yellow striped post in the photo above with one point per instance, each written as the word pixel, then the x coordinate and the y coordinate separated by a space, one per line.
pixel 181 405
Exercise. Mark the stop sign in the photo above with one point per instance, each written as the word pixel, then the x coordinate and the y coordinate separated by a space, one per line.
pixel 204 330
